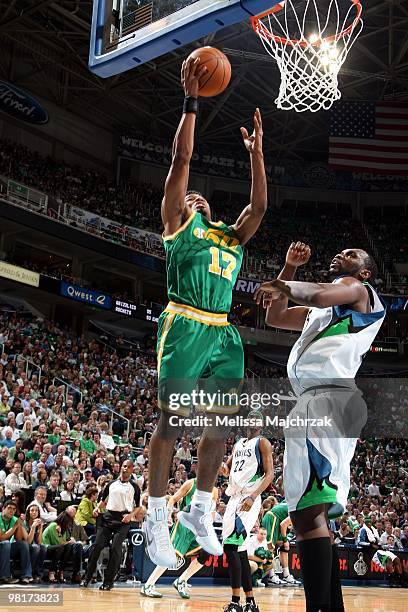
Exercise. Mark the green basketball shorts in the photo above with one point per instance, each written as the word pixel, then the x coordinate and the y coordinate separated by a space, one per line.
pixel 199 356
pixel 272 525
pixel 184 542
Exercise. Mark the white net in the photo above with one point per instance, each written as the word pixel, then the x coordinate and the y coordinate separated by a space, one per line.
pixel 310 41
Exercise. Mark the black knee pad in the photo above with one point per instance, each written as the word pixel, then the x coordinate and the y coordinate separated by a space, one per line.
pixel 234 565
pixel 246 577
pixel 203 557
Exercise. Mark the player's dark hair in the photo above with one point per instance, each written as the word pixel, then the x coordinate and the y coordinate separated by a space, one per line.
pixel 371 266
pixel 194 192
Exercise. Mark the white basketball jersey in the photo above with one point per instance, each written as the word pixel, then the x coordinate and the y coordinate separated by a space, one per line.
pixel 246 466
pixel 333 343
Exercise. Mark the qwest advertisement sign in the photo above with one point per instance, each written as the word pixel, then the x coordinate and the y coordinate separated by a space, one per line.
pixel 80 294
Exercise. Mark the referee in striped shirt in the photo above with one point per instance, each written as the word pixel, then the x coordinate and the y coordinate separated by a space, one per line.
pixel 121 499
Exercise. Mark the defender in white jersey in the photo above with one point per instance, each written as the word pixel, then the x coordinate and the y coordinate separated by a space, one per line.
pixel 250 470
pixel 339 321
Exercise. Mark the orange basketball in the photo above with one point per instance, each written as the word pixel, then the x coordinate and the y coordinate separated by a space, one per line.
pixel 218 74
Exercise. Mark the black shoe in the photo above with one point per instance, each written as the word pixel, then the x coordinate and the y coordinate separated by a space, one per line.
pixel 84 583
pixel 106 587
pixel 25 581
pixel 9 580
pixel 233 607
pixel 250 607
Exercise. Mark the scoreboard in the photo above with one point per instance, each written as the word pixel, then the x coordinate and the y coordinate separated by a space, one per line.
pixel 137 311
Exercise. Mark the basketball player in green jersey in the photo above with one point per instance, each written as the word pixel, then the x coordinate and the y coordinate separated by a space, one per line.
pixel 195 340
pixel 276 522
pixel 184 543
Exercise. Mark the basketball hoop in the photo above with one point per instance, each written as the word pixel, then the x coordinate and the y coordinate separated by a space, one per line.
pixel 310 47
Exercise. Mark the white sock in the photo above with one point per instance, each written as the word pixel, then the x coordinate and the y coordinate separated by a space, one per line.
pixel 192 569
pixel 285 572
pixel 270 573
pixel 202 499
pixel 155 575
pixel 157 508
pixel 156 502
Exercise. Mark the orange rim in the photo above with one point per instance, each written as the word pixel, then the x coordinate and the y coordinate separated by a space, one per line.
pixel 263 31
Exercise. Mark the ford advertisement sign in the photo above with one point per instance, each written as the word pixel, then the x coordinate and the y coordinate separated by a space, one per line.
pixel 80 294
pixel 21 105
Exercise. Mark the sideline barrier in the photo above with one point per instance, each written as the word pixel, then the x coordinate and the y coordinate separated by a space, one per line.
pixel 355 563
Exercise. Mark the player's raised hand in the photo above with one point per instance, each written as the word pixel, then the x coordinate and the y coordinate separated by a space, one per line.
pixel 191 73
pixel 253 143
pixel 298 254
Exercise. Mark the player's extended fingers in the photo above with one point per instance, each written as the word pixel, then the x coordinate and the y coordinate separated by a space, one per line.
pixel 244 133
pixel 183 70
pixel 201 72
pixel 258 122
pixel 194 67
pixel 258 295
pixel 189 66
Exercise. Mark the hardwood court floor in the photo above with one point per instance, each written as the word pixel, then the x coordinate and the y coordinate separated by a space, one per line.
pixel 212 599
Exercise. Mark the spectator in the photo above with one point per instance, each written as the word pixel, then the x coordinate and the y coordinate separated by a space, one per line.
pixel 48 514
pixel 98 469
pixel 53 492
pixel 86 481
pixel 387 533
pixel 14 481
pixel 18 497
pixel 68 493
pixel 85 513
pixel 62 550
pixel 373 489
pixel 368 534
pixel 404 537
pixel 87 443
pixel 34 528
pixel 13 545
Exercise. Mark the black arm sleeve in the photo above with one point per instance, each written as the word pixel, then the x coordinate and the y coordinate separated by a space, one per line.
pixel 103 495
pixel 136 490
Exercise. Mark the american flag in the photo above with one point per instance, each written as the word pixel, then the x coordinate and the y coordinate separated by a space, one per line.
pixel 369 137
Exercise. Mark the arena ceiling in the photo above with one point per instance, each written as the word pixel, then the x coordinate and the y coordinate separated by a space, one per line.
pixel 44 48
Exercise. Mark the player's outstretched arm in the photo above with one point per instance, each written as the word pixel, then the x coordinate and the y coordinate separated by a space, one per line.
pixel 278 314
pixel 173 205
pixel 178 496
pixel 251 217
pixel 348 291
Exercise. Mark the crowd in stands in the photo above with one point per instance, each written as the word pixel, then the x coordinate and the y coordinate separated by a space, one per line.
pixel 59 447
pixel 133 205
pixel 389 229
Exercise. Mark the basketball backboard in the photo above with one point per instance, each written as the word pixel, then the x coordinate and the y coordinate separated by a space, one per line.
pixel 127 33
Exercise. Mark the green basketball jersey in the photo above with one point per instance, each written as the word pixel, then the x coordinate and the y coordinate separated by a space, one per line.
pixel 186 501
pixel 203 263
pixel 281 511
